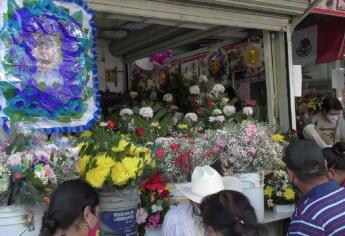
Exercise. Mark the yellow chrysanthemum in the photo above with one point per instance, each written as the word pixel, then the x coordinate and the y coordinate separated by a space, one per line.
pixel 81 163
pixel 155 125
pixel 97 176
pixel 120 147
pixel 289 194
pixel 119 174
pixel 131 164
pixel 86 134
pixel 268 191
pixel 104 161
pixel 182 126
pixel 277 138
pixel 142 150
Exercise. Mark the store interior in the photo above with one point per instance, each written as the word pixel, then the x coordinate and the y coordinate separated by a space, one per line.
pixel 231 56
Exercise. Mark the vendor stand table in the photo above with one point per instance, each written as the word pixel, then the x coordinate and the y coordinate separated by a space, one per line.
pixel 275 222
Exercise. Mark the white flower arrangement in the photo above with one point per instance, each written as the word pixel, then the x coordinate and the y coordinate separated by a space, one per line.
pixel 146 112
pixel 217 112
pixel 218 89
pixel 229 110
pixel 168 97
pixel 126 112
pixel 219 119
pixel 203 78
pixel 192 116
pixel 194 90
pixel 248 111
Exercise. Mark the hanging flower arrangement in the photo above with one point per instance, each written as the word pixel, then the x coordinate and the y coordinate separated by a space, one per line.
pixel 218 64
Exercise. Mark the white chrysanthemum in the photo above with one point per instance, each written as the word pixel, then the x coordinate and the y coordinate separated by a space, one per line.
pixel 248 111
pixel 103 124
pixel 168 97
pixel 192 116
pixel 220 119
pixel 225 100
pixel 203 78
pixel 218 88
pixel 126 112
pixel 217 112
pixel 229 110
pixel 212 119
pixel 146 112
pixel 195 90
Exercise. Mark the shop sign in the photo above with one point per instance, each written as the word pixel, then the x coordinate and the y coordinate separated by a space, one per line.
pixel 331 7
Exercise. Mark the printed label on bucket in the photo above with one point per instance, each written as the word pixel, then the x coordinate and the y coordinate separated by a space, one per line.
pixel 119 223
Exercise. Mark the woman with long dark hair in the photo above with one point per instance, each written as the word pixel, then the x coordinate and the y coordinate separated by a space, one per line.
pixel 73 210
pixel 229 213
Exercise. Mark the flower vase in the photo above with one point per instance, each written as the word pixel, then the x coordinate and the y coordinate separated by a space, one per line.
pixel 284 208
pixel 253 189
pixel 118 211
pixel 152 232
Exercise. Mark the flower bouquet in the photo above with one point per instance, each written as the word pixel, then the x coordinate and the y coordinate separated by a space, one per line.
pixel 37 166
pixel 278 190
pixel 178 156
pixel 145 124
pixel 154 203
pixel 250 148
pixel 106 160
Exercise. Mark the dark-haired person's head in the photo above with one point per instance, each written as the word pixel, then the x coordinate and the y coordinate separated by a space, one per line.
pixel 335 157
pixel 305 164
pixel 73 210
pixel 331 109
pixel 229 213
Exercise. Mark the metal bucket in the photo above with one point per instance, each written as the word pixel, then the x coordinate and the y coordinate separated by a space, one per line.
pixel 118 211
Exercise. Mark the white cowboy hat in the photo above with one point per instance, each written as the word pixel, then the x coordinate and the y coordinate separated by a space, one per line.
pixel 144 63
pixel 207 181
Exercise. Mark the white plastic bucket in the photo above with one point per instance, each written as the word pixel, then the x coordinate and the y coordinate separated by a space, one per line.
pixel 15 220
pixel 253 189
pixel 153 232
pixel 118 211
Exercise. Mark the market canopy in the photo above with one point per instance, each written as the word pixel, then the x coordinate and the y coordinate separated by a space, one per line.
pixel 258 14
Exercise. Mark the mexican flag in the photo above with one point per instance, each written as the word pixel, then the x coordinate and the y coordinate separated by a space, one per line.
pixel 319 43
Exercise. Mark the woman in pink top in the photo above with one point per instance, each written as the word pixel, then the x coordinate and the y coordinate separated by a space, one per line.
pixel 73 211
pixel 335 157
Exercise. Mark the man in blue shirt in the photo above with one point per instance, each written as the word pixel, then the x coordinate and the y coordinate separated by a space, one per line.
pixel 322 208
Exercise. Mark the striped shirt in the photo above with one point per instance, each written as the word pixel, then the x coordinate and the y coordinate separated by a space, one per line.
pixel 321 212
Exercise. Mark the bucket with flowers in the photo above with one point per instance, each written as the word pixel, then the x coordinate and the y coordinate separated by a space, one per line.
pixel 114 166
pixel 248 153
pixel 155 203
pixel 279 193
pixel 35 165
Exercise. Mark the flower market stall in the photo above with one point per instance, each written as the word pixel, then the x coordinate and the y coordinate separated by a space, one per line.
pixel 204 106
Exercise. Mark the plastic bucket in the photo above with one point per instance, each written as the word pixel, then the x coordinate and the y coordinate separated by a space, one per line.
pixel 253 189
pixel 118 211
pixel 152 232
pixel 15 220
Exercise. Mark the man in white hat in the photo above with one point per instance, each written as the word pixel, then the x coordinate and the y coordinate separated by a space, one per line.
pixel 185 218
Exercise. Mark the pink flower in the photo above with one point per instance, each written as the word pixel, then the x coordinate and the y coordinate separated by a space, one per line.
pixel 154 221
pixel 251 130
pixel 141 216
pixel 246 139
pixel 221 143
pixel 252 150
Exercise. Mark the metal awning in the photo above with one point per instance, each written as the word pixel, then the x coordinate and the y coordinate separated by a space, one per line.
pixel 258 14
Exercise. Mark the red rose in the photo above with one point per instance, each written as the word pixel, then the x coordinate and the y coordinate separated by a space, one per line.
pixel 194 102
pixel 140 132
pixel 165 193
pixel 209 102
pixel 185 162
pixel 160 153
pixel 174 146
pixel 111 124
pixel 155 183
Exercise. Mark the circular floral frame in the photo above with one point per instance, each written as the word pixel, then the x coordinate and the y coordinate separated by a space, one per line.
pixel 71 102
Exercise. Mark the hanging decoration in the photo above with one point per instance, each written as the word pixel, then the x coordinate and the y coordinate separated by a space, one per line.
pixel 218 64
pixel 48 65
pixel 254 56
